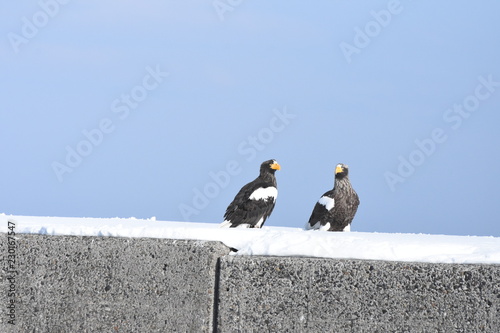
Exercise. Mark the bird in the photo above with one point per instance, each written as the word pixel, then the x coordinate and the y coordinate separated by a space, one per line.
pixel 255 201
pixel 335 210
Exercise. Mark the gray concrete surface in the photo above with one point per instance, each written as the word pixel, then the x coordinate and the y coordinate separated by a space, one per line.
pixel 266 294
pixel 103 284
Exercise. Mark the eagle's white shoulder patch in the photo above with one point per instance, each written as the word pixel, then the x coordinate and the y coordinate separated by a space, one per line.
pixel 328 202
pixel 264 193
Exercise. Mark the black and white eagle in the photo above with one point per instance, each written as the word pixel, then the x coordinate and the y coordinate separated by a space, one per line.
pixel 255 201
pixel 335 210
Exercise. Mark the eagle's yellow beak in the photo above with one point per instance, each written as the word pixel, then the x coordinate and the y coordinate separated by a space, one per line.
pixel 338 169
pixel 275 166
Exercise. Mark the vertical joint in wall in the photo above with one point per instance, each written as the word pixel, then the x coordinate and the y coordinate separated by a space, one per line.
pixel 216 296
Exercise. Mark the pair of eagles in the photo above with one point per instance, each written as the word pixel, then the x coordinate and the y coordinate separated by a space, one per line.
pixel 255 201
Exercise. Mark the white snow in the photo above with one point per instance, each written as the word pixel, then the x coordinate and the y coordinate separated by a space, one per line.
pixel 277 241
pixel 264 193
pixel 328 202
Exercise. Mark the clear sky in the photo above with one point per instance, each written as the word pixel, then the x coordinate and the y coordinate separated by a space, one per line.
pixel 167 108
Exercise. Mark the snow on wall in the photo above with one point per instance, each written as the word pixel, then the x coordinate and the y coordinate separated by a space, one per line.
pixel 278 241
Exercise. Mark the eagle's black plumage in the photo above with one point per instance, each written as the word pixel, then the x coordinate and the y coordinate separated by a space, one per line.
pixel 255 201
pixel 335 210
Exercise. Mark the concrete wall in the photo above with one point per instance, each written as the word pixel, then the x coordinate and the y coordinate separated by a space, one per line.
pixel 324 295
pixel 101 284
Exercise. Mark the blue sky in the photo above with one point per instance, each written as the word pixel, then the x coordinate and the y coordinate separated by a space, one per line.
pixel 167 108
